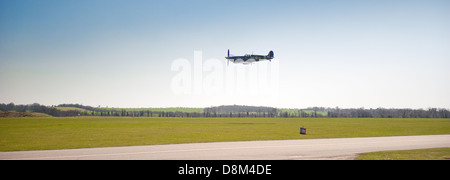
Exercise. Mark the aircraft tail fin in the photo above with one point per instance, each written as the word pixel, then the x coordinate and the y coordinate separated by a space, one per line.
pixel 270 55
pixel 228 60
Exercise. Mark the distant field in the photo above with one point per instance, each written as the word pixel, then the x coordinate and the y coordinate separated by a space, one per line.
pixel 34 133
pixel 71 108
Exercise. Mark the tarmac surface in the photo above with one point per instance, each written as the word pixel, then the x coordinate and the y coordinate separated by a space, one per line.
pixel 333 148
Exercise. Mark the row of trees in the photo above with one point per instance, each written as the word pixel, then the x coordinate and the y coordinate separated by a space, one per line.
pixel 234 111
pixel 389 113
pixel 240 111
pixel 367 113
pixel 221 111
pixel 142 113
pixel 148 113
pixel 38 108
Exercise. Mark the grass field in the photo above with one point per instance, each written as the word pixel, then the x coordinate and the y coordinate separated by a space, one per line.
pixel 35 133
pixel 418 154
pixel 71 108
pixel 296 112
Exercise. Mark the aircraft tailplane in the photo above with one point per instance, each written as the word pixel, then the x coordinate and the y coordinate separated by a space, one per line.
pixel 270 55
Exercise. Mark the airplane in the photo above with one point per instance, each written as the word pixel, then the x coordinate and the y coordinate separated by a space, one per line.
pixel 248 59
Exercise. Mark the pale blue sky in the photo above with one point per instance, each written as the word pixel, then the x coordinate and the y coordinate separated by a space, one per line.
pixel 117 53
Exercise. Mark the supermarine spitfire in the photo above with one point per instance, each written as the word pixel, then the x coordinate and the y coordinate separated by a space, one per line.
pixel 248 58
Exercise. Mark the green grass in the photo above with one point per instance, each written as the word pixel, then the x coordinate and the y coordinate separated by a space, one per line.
pixel 34 133
pixel 418 154
pixel 296 112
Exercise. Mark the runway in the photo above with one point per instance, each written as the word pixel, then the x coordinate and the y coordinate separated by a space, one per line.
pixel 334 148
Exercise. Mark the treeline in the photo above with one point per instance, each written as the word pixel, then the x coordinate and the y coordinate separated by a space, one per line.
pixel 92 111
pixel 221 111
pixel 366 113
pixel 389 113
pixel 240 111
pixel 140 113
pixel 35 107
pixel 233 111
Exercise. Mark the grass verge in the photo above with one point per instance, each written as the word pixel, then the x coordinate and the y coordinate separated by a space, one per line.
pixel 417 154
